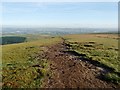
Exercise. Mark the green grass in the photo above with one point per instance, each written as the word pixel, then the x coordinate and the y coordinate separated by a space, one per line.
pixel 102 49
pixel 21 67
pixel 30 37
pixel 112 77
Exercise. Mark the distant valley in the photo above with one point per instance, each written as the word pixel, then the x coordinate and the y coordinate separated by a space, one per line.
pixel 55 31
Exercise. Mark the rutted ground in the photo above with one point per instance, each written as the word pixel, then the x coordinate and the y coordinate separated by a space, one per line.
pixel 28 64
pixel 67 70
pixel 21 68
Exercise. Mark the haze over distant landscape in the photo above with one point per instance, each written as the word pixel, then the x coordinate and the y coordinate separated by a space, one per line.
pixel 53 14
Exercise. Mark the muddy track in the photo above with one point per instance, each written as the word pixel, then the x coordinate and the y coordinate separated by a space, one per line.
pixel 69 71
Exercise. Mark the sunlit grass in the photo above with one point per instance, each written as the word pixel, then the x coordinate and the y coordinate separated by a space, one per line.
pixel 108 42
pixel 97 48
pixel 18 61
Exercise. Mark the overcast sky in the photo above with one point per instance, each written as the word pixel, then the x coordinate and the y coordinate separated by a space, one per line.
pixel 53 14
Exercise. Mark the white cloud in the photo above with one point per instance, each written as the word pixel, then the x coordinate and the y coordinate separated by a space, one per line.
pixel 15 10
pixel 30 7
pixel 41 5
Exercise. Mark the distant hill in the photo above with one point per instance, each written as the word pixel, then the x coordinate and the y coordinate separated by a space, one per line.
pixel 55 31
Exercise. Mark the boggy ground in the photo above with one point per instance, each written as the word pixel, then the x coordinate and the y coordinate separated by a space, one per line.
pixel 69 71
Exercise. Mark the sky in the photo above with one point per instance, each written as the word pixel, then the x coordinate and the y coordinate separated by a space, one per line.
pixel 60 14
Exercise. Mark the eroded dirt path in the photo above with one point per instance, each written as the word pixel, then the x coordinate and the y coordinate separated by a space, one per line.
pixel 69 71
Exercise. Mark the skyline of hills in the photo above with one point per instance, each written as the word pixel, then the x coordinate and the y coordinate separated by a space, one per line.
pixel 54 31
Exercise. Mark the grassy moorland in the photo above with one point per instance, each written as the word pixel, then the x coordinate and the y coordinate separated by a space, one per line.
pixel 21 68
pixel 102 48
pixel 24 67
pixel 12 39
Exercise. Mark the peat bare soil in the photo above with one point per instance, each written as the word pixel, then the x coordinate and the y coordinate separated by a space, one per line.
pixel 69 71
